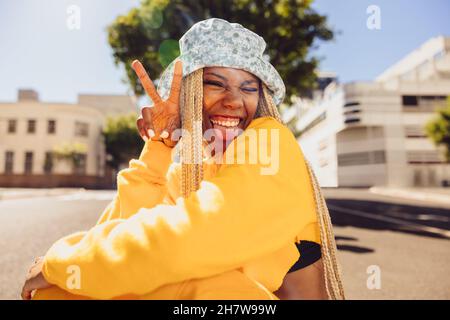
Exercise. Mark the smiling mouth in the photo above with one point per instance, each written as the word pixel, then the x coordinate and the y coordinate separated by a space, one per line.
pixel 225 121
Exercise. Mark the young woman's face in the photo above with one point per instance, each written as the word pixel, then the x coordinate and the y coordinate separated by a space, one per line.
pixel 230 99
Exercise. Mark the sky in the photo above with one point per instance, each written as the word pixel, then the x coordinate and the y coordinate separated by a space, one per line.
pixel 38 50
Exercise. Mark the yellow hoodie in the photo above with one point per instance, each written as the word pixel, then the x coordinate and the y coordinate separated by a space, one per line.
pixel 232 239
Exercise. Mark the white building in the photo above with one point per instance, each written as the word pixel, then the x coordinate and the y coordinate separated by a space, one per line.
pixel 369 134
pixel 31 131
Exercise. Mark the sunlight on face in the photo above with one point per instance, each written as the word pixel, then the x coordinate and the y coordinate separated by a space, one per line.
pixel 230 100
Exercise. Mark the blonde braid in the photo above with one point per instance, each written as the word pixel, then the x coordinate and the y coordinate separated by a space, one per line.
pixel 192 169
pixel 266 106
pixel 191 122
pixel 332 270
pixel 332 273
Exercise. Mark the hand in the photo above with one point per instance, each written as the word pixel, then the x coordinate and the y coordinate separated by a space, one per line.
pixel 157 122
pixel 34 279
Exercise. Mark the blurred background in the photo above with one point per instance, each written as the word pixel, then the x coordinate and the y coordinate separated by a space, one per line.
pixel 368 86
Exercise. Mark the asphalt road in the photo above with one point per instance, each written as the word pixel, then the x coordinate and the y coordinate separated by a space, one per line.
pixel 408 244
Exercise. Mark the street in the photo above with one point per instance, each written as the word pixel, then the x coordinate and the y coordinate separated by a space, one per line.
pixel 408 242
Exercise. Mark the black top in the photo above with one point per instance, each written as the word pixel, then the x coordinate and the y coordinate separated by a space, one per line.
pixel 309 253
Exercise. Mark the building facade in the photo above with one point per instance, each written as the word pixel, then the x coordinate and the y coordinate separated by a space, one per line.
pixel 56 144
pixel 364 134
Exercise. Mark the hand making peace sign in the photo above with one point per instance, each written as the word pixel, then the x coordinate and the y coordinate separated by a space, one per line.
pixel 157 122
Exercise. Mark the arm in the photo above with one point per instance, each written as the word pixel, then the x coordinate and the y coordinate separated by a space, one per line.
pixel 142 184
pixel 235 217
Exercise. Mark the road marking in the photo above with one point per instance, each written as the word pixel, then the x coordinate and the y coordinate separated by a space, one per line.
pixel 434 230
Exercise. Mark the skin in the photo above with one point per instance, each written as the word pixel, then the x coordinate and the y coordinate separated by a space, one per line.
pixel 229 94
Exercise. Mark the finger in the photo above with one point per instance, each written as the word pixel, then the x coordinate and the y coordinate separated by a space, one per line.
pixel 172 125
pixel 141 129
pixel 176 82
pixel 148 122
pixel 146 82
pixel 26 293
pixel 164 134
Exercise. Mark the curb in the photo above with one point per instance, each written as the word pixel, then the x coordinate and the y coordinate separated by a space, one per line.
pixel 412 194
pixel 16 194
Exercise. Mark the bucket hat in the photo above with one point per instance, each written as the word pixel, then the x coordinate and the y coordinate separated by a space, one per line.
pixel 217 42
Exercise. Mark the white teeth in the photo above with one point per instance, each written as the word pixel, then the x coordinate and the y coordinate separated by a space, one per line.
pixel 228 123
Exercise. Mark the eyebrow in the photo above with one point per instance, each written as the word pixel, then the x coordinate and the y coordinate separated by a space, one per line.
pixel 225 79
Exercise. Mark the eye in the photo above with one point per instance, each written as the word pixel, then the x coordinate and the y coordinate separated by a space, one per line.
pixel 213 83
pixel 250 89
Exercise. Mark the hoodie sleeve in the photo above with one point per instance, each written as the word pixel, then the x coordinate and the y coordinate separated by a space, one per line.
pixel 249 209
pixel 142 185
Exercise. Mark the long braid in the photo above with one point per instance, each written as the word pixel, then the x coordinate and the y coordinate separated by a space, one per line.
pixel 332 270
pixel 192 169
pixel 266 106
pixel 191 122
pixel 332 273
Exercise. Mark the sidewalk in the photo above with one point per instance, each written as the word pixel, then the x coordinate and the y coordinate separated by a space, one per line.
pixel 431 195
pixel 21 193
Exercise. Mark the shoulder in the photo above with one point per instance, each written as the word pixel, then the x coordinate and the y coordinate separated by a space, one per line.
pixel 276 132
pixel 266 122
pixel 272 125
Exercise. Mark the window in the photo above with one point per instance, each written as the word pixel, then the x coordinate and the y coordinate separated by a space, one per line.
pixel 352 111
pixel 413 131
pixel 409 100
pixel 81 129
pixel 351 104
pixel 48 162
pixel 51 126
pixel 31 127
pixel 361 158
pixel 351 120
pixel 28 169
pixel 12 126
pixel 423 156
pixel 9 162
pixel 80 164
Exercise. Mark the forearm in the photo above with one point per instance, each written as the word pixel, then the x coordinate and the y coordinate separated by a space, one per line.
pixel 143 183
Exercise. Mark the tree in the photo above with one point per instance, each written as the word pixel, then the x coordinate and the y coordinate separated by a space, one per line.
pixel 72 152
pixel 122 140
pixel 150 33
pixel 438 130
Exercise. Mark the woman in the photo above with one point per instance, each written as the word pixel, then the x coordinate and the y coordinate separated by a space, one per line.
pixel 212 228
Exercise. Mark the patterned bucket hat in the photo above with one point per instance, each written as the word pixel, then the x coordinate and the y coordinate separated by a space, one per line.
pixel 217 42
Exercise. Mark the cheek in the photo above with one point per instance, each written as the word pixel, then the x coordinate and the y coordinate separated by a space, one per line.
pixel 251 106
pixel 209 100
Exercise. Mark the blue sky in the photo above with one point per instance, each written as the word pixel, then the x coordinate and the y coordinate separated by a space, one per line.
pixel 358 53
pixel 38 50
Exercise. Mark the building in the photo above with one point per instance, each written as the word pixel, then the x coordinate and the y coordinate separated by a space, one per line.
pixel 31 133
pixel 364 134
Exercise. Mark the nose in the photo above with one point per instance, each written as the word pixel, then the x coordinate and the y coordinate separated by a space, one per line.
pixel 233 100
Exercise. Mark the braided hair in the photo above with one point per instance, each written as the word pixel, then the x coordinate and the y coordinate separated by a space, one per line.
pixel 191 106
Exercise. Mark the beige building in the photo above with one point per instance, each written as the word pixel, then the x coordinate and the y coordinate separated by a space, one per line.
pixel 372 134
pixel 31 132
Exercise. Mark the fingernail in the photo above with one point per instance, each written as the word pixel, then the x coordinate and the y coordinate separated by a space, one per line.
pixel 145 138
pixel 164 134
pixel 151 133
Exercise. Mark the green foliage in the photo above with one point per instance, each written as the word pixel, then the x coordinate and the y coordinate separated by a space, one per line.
pixel 438 129
pixel 290 27
pixel 122 139
pixel 71 152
